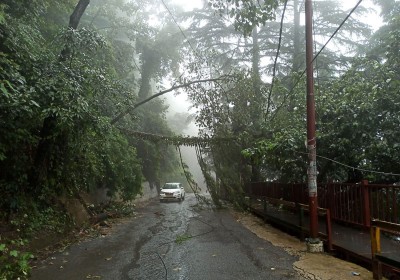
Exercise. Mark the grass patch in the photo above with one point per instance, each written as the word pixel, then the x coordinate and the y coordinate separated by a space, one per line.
pixel 182 238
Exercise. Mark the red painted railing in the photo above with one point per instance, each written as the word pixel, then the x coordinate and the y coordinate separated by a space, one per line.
pixel 385 203
pixel 346 202
pixel 349 203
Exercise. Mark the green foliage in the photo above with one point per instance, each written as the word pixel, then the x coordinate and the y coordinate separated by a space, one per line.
pixel 231 110
pixel 19 109
pixel 14 262
pixel 209 180
pixel 280 156
pixel 80 79
pixel 122 168
pixel 357 123
pixel 159 159
pixel 33 218
pixel 78 91
pixel 366 118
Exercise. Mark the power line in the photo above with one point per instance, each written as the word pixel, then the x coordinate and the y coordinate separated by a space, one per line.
pixel 190 140
pixel 180 29
pixel 337 29
pixel 354 168
pixel 330 38
pixel 190 44
pixel 276 57
pixel 197 54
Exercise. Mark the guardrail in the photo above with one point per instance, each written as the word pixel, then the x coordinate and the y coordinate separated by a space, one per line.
pixel 259 205
pixel 378 260
pixel 350 203
pixel 385 202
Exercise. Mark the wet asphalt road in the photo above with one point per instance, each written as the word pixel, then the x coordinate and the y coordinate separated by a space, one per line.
pixel 172 241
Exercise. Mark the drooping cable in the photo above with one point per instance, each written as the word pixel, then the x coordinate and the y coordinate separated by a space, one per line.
pixel 323 47
pixel 196 53
pixel 337 29
pixel 180 29
pixel 352 167
pixel 192 184
pixel 211 229
pixel 276 57
pixel 165 267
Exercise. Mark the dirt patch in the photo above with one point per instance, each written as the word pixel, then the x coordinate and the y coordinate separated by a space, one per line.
pixel 315 266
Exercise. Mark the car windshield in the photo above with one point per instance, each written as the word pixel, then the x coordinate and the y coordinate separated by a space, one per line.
pixel 171 186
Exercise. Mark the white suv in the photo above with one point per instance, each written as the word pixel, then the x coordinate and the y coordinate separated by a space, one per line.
pixel 172 191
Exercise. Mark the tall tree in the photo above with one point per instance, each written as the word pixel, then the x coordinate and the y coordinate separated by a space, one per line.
pixel 61 85
pixel 47 143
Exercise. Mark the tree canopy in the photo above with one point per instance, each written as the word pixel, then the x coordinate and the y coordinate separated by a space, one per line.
pixel 82 86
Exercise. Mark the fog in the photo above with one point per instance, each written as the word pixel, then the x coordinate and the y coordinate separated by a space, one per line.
pixel 179 103
pixel 93 91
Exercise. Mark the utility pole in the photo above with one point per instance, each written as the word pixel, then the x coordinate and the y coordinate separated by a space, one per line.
pixel 314 244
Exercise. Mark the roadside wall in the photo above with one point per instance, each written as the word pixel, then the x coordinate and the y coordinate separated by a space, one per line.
pixel 77 210
pixel 148 193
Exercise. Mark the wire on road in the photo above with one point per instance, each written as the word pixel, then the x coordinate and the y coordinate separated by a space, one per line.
pixel 212 228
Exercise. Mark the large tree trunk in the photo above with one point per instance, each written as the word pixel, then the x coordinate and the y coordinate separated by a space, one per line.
pixel 48 137
pixel 74 20
pixel 148 64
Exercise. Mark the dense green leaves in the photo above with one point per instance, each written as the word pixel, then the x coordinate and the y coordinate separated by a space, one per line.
pixel 357 123
pixel 77 91
pixel 14 264
pixel 61 87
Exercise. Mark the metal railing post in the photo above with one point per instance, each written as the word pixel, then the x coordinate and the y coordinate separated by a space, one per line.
pixel 366 204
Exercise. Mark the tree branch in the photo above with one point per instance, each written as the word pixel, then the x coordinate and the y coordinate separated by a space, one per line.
pixel 130 109
pixel 77 14
pixel 74 20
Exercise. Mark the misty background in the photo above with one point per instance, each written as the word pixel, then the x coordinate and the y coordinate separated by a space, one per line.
pixel 100 94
